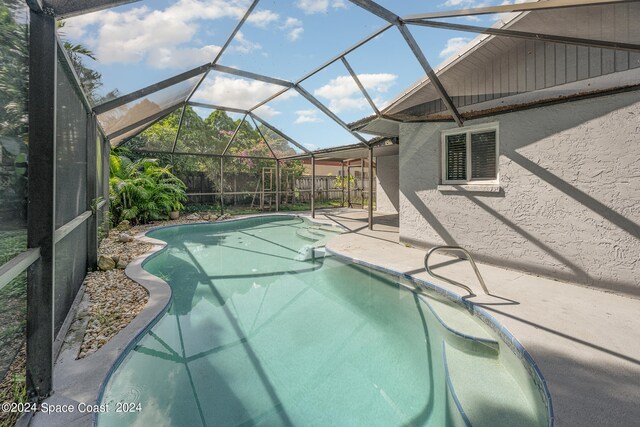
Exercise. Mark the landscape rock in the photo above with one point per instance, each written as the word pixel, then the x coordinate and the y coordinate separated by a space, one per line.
pixel 106 263
pixel 125 238
pixel 114 298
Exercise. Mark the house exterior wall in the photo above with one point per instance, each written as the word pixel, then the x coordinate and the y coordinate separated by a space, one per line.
pixel 569 199
pixel 324 168
pixel 387 184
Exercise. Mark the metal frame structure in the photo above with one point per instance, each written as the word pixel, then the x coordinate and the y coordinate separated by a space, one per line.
pixel 39 258
pixel 393 20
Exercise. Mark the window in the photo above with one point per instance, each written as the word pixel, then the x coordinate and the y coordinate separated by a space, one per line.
pixel 470 156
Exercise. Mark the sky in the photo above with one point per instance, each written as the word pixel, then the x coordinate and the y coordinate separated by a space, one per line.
pixel 147 41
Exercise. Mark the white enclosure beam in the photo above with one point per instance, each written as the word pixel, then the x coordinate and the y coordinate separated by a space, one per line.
pixel 528 35
pixel 518 7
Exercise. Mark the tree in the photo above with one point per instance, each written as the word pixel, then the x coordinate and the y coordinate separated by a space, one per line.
pixel 211 135
pixel 91 80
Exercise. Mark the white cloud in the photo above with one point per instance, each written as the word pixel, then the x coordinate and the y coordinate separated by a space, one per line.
pixel 262 18
pixel 294 28
pixel 161 38
pixel 343 93
pixel 338 4
pixel 266 112
pixel 242 45
pixel 239 93
pixel 295 33
pixel 453 45
pixel 463 3
pixel 171 57
pixel 466 4
pixel 319 6
pixel 307 116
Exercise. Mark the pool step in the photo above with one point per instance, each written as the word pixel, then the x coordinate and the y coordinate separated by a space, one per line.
pixel 305 234
pixel 326 228
pixel 314 234
pixel 465 333
pixel 486 394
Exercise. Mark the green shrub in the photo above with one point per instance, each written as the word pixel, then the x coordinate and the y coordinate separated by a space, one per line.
pixel 142 190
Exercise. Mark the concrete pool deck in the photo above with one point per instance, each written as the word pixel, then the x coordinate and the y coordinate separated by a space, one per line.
pixel 585 341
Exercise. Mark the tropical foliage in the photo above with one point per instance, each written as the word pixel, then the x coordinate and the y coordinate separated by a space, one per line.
pixel 211 135
pixel 142 190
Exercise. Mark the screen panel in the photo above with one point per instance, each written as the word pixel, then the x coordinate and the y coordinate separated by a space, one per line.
pixel 70 269
pixel 302 121
pixel 71 151
pixel 336 89
pixel 227 90
pixel 13 312
pixel 137 111
pixel 206 131
pixel 144 42
pixel 298 34
pixel 14 77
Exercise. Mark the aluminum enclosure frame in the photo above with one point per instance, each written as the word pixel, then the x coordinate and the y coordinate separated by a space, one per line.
pixel 39 259
pixel 374 8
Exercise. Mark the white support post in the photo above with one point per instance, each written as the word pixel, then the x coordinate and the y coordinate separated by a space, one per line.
pixel 370 188
pixel 277 185
pixel 313 187
pixel 221 185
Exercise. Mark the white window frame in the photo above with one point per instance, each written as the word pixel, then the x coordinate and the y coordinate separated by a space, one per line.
pixel 468 131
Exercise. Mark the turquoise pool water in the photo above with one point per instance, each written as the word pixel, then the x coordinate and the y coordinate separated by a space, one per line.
pixel 262 332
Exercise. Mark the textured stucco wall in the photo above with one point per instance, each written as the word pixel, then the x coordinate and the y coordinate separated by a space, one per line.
pixel 570 201
pixel 388 184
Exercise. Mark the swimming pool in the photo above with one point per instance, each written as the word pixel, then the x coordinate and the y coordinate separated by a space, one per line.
pixel 262 329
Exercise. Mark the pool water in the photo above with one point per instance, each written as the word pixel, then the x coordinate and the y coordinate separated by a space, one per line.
pixel 263 330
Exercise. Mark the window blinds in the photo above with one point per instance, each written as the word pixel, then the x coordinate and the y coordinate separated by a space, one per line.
pixel 457 157
pixel 483 155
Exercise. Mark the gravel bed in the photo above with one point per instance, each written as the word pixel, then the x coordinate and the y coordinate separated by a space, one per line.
pixel 115 300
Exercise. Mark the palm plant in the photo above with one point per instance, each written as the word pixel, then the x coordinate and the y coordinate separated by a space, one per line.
pixel 142 191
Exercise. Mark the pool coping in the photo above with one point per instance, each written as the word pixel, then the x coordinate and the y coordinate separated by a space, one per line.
pixel 80 381
pixel 475 310
pixel 160 297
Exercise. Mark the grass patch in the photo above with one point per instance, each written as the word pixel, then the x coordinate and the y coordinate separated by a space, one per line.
pixel 11 244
